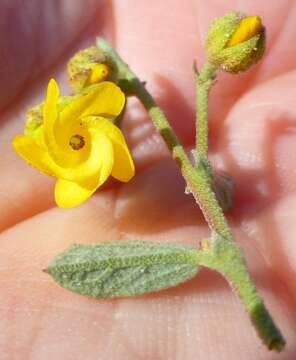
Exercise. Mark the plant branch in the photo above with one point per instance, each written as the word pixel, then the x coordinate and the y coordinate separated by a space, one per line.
pixel 197 179
pixel 221 253
pixel 226 258
pixel 204 81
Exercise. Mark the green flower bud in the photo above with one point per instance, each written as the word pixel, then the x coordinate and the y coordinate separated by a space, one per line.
pixel 235 42
pixel 89 66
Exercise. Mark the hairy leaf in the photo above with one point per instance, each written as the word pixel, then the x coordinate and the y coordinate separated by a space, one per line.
pixel 123 268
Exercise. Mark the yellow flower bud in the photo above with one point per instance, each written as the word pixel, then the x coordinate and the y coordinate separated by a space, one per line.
pixel 248 27
pixel 89 66
pixel 99 72
pixel 235 42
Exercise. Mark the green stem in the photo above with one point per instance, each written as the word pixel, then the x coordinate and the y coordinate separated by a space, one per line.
pixel 204 82
pixel 226 258
pixel 197 179
pixel 222 255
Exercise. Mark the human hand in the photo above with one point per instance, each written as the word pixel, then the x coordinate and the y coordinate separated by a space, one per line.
pixel 251 135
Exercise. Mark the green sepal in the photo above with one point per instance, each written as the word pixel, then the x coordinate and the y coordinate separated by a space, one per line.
pixel 81 64
pixel 123 268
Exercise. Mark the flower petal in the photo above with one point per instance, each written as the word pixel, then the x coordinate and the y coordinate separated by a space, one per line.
pixel 248 27
pixel 123 168
pixel 50 114
pixel 102 158
pixel 99 163
pixel 103 99
pixel 27 148
pixel 58 150
pixel 69 194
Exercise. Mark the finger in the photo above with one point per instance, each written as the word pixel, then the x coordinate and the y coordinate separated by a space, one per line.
pixel 257 149
pixel 55 322
pixel 201 319
pixel 34 35
pixel 147 145
pixel 258 138
pixel 181 32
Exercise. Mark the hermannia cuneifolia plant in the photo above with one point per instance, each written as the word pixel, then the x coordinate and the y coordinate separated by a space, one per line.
pixel 77 140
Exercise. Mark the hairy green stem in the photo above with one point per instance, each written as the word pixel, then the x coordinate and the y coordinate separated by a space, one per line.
pixel 204 82
pixel 226 258
pixel 222 253
pixel 197 179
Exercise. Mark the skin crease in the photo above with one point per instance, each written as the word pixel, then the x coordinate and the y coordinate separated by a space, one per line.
pixel 252 137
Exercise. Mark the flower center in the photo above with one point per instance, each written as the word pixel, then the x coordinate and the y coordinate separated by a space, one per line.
pixel 77 142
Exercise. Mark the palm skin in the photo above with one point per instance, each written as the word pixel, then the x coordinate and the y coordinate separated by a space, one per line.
pixel 252 137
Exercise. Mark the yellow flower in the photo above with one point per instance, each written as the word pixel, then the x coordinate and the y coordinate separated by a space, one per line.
pixel 78 144
pixel 247 28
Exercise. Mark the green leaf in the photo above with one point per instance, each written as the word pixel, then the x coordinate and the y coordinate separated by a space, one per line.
pixel 123 268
